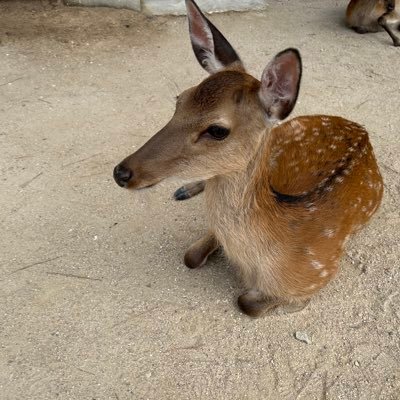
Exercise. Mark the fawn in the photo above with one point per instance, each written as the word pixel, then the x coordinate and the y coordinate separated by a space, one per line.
pixel 371 15
pixel 281 199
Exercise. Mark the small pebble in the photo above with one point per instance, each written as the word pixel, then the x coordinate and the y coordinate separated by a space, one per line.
pixel 302 337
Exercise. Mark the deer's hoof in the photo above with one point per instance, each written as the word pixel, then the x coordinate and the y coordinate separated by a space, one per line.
pixel 254 304
pixel 182 194
pixel 188 191
pixel 194 259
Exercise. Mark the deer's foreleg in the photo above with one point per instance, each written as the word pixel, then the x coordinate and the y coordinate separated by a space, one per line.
pixel 198 252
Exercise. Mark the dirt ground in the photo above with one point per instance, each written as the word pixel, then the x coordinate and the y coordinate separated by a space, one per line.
pixel 95 302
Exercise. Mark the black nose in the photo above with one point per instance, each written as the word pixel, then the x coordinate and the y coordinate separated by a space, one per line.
pixel 122 175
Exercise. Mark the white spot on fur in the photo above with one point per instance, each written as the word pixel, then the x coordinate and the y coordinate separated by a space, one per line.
pixel 297 126
pixel 310 252
pixel 330 233
pixel 316 264
pixel 311 207
pixel 323 273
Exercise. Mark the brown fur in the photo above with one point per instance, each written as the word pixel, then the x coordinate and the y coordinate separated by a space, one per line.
pixel 374 15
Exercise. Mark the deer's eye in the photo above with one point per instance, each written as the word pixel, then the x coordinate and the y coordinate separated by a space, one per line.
pixel 216 132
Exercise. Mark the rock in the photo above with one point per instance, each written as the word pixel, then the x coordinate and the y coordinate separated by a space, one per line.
pixel 302 337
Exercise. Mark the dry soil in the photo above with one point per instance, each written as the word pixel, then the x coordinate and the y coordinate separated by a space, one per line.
pixel 95 300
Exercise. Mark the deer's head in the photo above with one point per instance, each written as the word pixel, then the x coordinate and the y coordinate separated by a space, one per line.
pixel 217 125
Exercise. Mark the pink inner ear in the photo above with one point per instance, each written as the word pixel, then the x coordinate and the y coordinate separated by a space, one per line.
pixel 288 70
pixel 199 30
pixel 281 76
pixel 279 84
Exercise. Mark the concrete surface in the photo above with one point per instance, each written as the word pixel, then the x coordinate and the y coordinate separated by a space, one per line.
pixel 95 302
pixel 175 7
pixel 129 4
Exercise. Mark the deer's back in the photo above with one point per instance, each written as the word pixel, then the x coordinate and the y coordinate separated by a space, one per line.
pixel 325 166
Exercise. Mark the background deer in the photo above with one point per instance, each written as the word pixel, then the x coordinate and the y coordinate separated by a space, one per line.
pixel 281 199
pixel 372 15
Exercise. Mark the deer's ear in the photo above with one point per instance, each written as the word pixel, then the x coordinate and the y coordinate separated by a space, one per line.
pixel 212 50
pixel 280 83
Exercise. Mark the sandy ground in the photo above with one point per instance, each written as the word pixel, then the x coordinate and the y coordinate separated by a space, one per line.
pixel 95 300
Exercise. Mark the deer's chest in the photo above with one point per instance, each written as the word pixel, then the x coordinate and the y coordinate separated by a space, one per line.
pixel 234 226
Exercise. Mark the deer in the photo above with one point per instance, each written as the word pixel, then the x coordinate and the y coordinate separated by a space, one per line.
pixel 372 15
pixel 281 197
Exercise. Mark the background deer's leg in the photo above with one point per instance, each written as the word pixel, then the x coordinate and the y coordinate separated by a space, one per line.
pixel 190 190
pixel 387 21
pixel 198 252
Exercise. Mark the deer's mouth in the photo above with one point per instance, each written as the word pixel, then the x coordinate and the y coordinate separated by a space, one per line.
pixel 134 185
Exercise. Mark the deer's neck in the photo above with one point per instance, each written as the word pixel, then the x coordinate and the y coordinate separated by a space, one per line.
pixel 238 193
